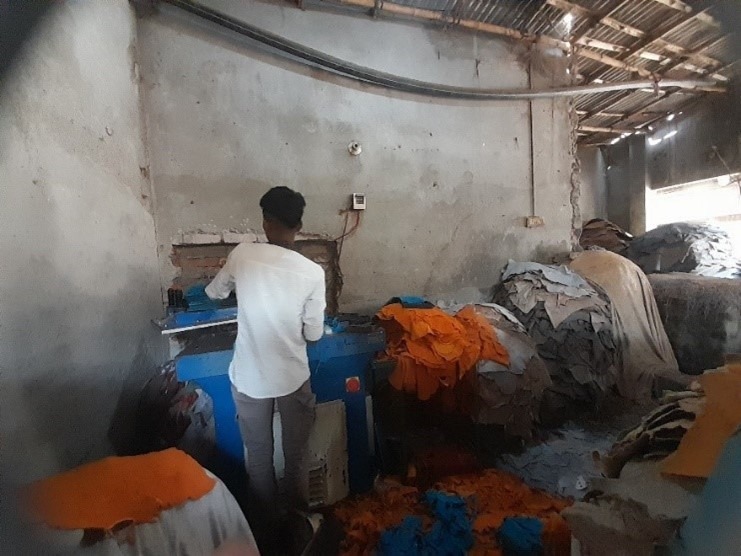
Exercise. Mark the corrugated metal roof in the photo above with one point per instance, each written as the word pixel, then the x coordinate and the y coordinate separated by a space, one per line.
pixel 647 35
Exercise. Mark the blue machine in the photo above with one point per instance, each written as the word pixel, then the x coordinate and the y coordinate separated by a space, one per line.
pixel 338 363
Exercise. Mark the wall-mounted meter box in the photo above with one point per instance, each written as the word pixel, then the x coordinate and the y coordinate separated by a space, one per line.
pixel 358 201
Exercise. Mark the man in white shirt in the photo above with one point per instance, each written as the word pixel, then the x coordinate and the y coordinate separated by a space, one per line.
pixel 281 302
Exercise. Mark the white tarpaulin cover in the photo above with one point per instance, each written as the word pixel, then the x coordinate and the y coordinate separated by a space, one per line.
pixel 644 351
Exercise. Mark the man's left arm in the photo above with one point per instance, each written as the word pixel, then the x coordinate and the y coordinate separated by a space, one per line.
pixel 314 307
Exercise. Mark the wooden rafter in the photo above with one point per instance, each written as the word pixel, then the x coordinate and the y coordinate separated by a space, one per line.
pixel 641 46
pixel 676 5
pixel 646 38
pixel 597 129
pixel 650 44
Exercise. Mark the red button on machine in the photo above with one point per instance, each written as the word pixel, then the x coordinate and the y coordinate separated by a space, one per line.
pixel 352 384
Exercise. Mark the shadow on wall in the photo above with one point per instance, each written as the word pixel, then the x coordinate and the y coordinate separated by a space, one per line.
pixel 77 340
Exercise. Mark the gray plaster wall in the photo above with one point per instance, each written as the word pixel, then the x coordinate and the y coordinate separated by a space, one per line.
pixel 448 183
pixel 618 184
pixel 593 178
pixel 79 278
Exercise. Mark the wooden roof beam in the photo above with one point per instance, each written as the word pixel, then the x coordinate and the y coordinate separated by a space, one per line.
pixel 608 20
pixel 597 129
pixel 603 114
pixel 614 62
pixel 686 8
pixel 675 5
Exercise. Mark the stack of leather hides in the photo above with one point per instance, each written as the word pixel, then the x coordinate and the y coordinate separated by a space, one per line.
pixel 604 234
pixel 570 321
pixel 509 395
pixel 685 247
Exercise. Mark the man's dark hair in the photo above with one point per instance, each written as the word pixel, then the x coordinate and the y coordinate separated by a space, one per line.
pixel 284 205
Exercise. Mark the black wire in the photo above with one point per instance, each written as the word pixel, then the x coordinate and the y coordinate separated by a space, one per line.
pixel 337 66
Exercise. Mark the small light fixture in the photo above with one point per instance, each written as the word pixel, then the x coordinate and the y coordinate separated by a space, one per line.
pixel 670 117
pixel 653 142
pixel 615 141
pixel 670 134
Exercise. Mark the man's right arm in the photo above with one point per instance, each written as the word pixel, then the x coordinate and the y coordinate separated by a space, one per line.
pixel 314 307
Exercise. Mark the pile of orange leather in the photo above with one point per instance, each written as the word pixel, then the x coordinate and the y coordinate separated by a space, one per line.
pixel 118 490
pixel 433 349
pixel 491 497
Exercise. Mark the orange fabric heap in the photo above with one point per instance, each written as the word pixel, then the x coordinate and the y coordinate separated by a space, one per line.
pixel 116 490
pixel 434 349
pixel 492 496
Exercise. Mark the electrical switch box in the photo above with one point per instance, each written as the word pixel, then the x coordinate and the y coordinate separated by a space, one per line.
pixel 358 201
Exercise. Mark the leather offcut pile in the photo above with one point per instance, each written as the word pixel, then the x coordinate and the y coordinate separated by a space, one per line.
pixel 509 395
pixel 434 350
pixel 690 429
pixel 604 234
pixel 571 323
pixel 658 435
pixel 491 497
pixel 685 247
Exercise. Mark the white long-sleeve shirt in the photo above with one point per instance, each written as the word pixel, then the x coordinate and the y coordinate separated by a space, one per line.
pixel 281 302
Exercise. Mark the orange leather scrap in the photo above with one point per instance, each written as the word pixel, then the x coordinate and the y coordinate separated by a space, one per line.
pixel 703 443
pixel 116 490
pixel 433 349
pixel 491 496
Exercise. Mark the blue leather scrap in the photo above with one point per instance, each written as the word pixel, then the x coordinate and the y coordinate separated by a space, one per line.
pixel 521 536
pixel 451 534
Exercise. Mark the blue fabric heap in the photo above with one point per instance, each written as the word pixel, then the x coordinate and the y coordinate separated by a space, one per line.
pixel 451 535
pixel 411 302
pixel 521 536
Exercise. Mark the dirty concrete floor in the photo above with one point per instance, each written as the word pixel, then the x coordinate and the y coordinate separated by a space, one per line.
pixel 560 460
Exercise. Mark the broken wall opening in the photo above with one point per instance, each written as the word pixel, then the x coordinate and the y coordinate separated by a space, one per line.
pixel 199 264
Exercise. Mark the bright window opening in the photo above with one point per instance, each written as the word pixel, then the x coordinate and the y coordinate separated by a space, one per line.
pixel 717 200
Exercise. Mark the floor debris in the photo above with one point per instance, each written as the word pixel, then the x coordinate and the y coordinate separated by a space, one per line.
pixel 563 463
pixel 634 514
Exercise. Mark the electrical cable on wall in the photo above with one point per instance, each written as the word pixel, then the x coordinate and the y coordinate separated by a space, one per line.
pixel 320 60
pixel 345 232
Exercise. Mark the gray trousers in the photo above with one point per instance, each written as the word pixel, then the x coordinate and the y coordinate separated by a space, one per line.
pixel 297 412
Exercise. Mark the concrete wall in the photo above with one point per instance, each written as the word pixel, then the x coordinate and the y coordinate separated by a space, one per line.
pixel 626 184
pixel 593 178
pixel 79 281
pixel 449 184
pixel 618 184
